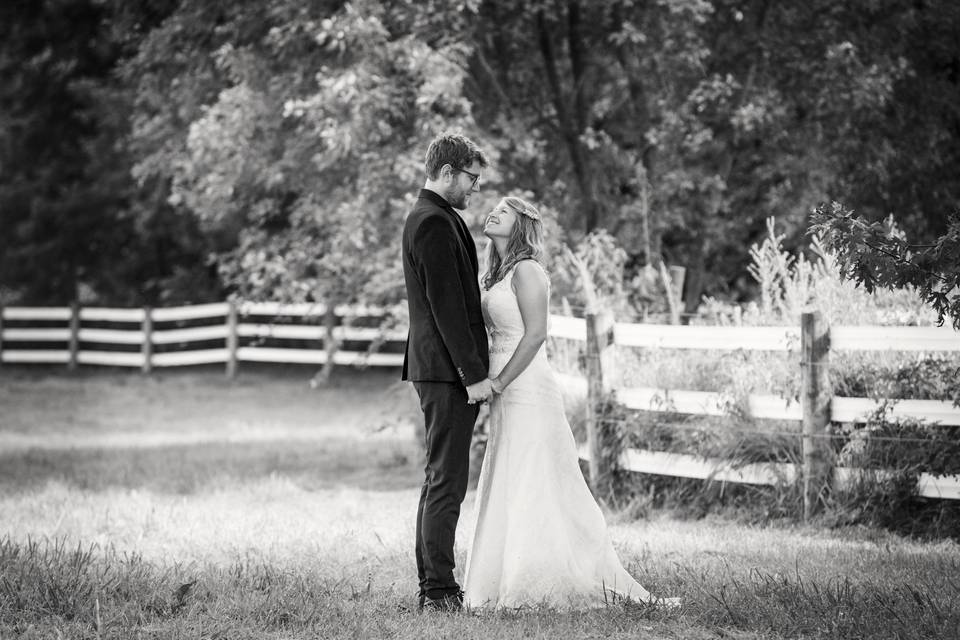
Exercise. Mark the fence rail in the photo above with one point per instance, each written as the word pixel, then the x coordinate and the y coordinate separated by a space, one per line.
pixel 242 341
pixel 247 332
pixel 813 341
pixel 771 407
pixel 769 473
pixel 665 336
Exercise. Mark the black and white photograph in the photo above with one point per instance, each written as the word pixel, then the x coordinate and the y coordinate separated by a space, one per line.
pixel 479 319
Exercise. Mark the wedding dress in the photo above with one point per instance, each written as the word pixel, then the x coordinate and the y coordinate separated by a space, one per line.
pixel 539 537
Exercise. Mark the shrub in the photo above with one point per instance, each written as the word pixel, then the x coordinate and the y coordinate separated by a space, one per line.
pixel 895 451
pixel 735 438
pixel 792 284
pixel 902 449
pixel 604 260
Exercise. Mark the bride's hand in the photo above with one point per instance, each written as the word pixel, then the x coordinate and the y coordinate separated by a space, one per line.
pixel 496 385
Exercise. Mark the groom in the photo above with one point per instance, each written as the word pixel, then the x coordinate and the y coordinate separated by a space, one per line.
pixel 446 356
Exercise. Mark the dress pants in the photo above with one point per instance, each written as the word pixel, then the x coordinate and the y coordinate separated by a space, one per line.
pixel 449 424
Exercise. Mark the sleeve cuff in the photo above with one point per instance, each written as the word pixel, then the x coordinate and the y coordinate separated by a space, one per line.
pixel 473 376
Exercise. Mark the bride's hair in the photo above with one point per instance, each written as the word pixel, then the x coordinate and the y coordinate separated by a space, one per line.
pixel 526 242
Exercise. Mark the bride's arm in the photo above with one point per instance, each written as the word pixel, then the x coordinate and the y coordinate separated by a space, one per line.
pixel 531 287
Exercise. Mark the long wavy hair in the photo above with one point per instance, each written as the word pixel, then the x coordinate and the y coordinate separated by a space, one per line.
pixel 526 242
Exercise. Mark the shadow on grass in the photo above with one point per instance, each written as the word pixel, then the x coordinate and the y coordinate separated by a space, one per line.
pixel 187 469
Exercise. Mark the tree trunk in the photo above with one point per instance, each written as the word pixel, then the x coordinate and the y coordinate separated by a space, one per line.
pixel 568 127
pixel 577 64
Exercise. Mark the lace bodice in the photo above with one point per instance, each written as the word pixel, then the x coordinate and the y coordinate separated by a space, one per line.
pixel 501 313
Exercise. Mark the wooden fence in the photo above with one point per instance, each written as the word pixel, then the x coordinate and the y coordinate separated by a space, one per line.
pixel 230 333
pixel 145 338
pixel 813 341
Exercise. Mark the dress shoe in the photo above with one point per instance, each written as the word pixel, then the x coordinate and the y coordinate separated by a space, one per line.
pixel 448 603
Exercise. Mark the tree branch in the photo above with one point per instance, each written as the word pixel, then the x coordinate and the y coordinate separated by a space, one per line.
pixel 903 260
pixel 636 94
pixel 501 93
pixel 575 42
pixel 895 256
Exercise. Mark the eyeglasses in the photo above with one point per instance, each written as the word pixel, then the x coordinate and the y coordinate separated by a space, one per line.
pixel 475 176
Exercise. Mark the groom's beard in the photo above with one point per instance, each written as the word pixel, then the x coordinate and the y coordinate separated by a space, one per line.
pixel 459 201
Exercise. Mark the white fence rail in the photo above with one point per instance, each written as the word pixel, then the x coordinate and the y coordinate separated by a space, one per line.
pixel 764 407
pixel 770 473
pixel 242 341
pixel 771 407
pixel 244 330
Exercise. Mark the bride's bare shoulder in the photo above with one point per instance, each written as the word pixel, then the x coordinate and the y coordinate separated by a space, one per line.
pixel 531 267
pixel 530 274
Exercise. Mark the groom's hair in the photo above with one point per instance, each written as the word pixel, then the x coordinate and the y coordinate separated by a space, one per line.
pixel 454 149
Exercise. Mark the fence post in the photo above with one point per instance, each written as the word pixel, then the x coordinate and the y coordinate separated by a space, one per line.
pixel 599 376
pixel 330 343
pixel 815 399
pixel 232 340
pixel 74 344
pixel 147 351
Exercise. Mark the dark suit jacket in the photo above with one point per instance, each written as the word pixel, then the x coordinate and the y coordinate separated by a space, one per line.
pixel 447 340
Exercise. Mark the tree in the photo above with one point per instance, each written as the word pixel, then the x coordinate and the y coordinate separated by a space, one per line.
pixel 878 255
pixel 297 134
pixel 57 191
pixel 692 122
pixel 76 227
pixel 677 126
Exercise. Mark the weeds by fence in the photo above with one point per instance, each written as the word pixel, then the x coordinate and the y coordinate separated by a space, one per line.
pixel 815 408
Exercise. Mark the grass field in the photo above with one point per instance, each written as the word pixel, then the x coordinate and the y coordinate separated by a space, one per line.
pixel 185 506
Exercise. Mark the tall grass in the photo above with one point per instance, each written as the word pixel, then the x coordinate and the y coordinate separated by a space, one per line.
pixel 53 589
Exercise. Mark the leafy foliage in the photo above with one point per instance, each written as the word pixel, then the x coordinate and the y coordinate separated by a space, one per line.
pixel 154 144
pixel 75 225
pixel 790 283
pixel 592 274
pixel 58 171
pixel 890 452
pixel 877 255
pixel 309 145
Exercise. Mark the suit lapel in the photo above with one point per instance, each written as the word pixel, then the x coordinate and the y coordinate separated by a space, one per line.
pixel 468 244
pixel 467 239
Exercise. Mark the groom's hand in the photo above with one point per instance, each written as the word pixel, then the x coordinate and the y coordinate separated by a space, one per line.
pixel 479 391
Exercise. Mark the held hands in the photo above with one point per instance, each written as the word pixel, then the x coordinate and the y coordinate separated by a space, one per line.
pixel 479 391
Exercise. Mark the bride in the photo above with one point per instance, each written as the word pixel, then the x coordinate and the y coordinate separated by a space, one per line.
pixel 539 538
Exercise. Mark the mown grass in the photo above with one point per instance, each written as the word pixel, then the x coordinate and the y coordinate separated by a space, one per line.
pixel 187 469
pixel 310 537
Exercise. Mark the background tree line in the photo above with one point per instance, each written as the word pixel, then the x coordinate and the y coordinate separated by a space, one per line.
pixel 180 150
